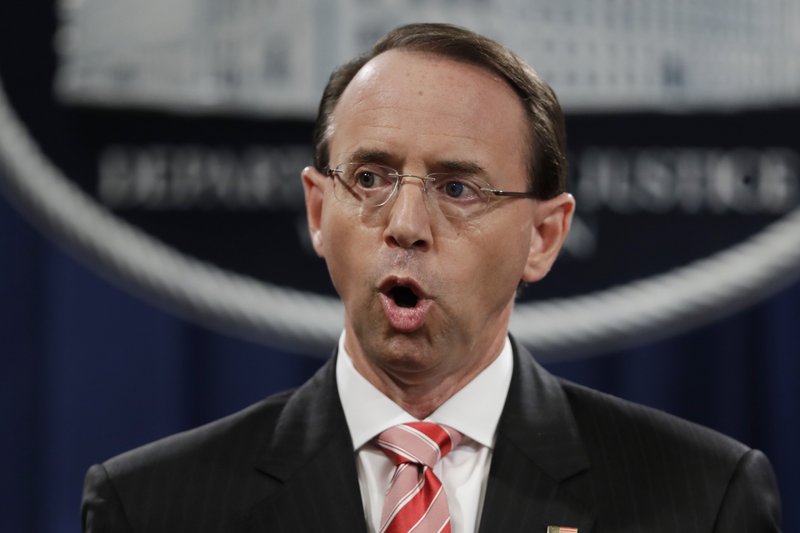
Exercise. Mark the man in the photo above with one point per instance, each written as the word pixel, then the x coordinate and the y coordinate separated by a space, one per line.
pixel 438 187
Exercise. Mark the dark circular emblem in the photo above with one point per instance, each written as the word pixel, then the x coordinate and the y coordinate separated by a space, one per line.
pixel 172 163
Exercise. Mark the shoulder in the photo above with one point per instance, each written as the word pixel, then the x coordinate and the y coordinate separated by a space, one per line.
pixel 213 477
pixel 192 481
pixel 659 465
pixel 607 419
pixel 246 430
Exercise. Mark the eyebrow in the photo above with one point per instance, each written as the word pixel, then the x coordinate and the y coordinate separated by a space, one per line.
pixel 464 167
pixel 367 155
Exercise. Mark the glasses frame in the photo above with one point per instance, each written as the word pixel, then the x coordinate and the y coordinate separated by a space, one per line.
pixel 338 171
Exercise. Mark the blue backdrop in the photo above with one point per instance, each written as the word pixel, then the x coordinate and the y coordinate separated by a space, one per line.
pixel 89 371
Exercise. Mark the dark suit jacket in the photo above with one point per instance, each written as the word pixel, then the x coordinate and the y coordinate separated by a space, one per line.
pixel 565 455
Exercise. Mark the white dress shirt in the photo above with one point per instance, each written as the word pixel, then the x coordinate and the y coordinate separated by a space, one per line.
pixel 474 411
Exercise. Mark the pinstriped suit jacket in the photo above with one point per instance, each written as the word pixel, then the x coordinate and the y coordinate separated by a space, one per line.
pixel 565 455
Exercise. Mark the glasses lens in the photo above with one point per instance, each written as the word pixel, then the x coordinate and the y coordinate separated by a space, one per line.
pixel 459 195
pixel 455 195
pixel 365 183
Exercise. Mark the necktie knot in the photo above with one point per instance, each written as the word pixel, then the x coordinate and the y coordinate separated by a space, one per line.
pixel 423 443
pixel 416 500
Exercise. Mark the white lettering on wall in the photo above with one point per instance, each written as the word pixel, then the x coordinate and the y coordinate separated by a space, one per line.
pixel 164 177
pixel 688 180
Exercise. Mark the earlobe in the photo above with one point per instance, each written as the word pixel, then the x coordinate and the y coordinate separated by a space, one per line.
pixel 314 195
pixel 552 222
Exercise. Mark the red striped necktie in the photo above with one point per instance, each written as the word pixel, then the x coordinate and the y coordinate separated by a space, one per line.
pixel 415 500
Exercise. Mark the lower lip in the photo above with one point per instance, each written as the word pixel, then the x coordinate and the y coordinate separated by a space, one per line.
pixel 405 319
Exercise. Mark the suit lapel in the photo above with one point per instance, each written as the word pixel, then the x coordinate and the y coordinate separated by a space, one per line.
pixel 539 473
pixel 311 461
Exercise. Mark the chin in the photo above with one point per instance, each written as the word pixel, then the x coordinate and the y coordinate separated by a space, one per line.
pixel 408 350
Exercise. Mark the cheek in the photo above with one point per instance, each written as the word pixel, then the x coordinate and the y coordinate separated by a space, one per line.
pixel 346 252
pixel 506 267
pixel 492 266
pixel 336 248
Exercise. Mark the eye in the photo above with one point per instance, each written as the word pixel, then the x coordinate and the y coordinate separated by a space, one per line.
pixel 369 177
pixel 366 179
pixel 454 189
pixel 458 188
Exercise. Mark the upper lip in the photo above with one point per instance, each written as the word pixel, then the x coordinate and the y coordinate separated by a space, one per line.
pixel 397 281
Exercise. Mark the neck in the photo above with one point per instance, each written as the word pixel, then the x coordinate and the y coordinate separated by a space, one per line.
pixel 421 400
pixel 421 391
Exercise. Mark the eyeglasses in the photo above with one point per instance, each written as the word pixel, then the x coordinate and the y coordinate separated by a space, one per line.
pixel 458 195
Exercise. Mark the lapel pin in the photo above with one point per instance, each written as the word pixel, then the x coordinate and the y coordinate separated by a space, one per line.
pixel 561 529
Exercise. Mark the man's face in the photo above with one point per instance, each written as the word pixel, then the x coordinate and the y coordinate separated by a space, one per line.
pixel 425 296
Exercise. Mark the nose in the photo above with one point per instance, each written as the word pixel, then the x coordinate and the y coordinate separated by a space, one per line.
pixel 409 221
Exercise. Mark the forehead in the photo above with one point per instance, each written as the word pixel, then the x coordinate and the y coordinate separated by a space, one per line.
pixel 422 106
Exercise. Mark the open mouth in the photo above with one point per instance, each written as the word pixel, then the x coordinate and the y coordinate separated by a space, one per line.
pixel 403 296
pixel 404 293
pixel 405 304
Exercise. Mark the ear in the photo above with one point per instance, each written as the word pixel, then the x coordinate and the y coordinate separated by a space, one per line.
pixel 552 221
pixel 313 187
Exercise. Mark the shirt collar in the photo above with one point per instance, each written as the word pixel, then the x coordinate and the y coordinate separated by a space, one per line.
pixel 474 410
